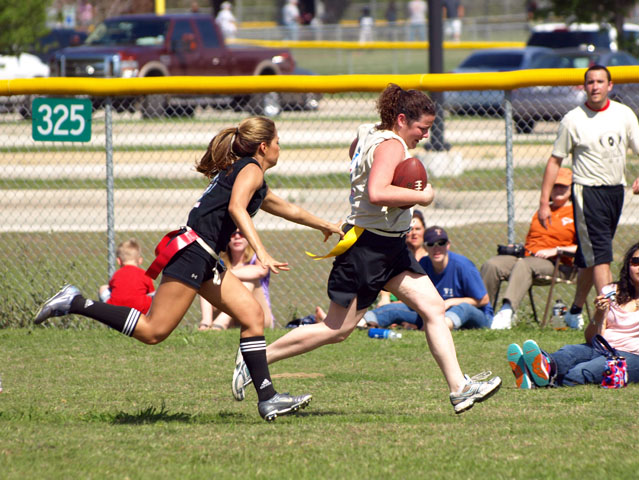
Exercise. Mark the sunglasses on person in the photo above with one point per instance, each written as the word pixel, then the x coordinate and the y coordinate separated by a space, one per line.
pixel 439 243
pixel 236 233
pixel 634 261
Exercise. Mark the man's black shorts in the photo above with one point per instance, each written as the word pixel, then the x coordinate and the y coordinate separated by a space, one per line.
pixel 597 212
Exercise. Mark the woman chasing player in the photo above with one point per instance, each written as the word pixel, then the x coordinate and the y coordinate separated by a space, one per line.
pixel 235 161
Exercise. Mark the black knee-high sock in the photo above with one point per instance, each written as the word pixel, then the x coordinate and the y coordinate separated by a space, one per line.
pixel 122 319
pixel 254 352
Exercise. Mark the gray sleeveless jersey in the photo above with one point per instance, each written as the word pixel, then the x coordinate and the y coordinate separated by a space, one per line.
pixel 390 220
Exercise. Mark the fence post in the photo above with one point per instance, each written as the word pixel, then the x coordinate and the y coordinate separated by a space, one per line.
pixel 510 183
pixel 338 37
pixel 108 134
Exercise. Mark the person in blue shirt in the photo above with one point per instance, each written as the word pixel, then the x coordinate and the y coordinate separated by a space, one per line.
pixel 456 279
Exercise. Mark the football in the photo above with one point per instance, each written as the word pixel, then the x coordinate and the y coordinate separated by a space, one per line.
pixel 410 173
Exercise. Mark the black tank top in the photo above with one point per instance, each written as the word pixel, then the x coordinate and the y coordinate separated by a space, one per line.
pixel 210 217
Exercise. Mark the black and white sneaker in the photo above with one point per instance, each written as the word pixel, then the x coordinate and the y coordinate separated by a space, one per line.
pixel 282 404
pixel 58 305
pixel 241 377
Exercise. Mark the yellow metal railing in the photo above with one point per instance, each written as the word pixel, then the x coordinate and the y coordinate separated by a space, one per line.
pixel 305 83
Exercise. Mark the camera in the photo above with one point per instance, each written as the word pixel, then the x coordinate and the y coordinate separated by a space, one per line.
pixel 610 292
pixel 515 250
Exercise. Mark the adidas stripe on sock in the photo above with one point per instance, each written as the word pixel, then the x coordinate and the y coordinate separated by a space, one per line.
pixel 254 352
pixel 122 319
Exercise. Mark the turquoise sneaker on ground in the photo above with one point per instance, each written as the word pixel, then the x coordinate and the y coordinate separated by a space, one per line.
pixel 537 363
pixel 515 356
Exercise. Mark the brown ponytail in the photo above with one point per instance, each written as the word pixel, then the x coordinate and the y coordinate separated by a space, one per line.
pixel 395 100
pixel 233 143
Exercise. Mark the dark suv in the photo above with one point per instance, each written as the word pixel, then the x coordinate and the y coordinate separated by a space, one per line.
pixel 589 35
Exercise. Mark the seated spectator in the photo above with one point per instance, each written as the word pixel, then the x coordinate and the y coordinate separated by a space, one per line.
pixel 317 317
pixel 129 286
pixel 415 237
pixel 541 248
pixel 242 261
pixel 616 319
pixel 456 279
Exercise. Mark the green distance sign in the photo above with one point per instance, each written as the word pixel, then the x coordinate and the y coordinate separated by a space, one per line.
pixel 61 119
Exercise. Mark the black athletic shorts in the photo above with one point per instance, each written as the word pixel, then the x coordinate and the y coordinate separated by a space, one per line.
pixel 597 213
pixel 364 269
pixel 193 265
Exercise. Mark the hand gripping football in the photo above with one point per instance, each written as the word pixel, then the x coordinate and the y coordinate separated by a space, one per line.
pixel 410 173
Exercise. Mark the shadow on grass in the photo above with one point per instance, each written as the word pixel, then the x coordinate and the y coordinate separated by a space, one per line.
pixel 315 413
pixel 152 414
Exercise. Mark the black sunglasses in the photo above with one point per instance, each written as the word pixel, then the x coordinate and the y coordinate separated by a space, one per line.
pixel 439 243
pixel 634 261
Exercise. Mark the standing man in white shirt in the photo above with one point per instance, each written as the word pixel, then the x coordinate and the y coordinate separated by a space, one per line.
pixel 598 135
pixel 453 13
pixel 226 20
pixel 416 21
pixel 291 19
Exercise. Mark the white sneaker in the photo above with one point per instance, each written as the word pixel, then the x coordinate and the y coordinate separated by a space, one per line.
pixel 574 320
pixel 503 320
pixel 475 391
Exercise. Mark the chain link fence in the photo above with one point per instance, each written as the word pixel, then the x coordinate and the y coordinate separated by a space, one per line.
pixel 56 209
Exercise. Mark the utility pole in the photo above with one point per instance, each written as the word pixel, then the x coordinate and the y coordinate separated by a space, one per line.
pixel 160 7
pixel 436 65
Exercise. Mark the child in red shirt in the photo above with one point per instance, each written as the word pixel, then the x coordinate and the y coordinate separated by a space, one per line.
pixel 129 286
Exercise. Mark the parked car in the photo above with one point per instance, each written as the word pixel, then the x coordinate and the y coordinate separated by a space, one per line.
pixel 24 65
pixel 148 45
pixel 589 35
pixel 57 38
pixel 583 58
pixel 489 102
pixel 551 103
pixel 294 101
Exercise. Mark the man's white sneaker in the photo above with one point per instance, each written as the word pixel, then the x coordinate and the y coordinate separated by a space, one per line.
pixel 574 320
pixel 502 320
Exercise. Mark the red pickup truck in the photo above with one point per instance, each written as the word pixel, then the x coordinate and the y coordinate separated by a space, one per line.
pixel 148 45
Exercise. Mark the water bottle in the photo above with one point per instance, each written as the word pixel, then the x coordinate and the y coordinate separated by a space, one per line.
pixel 558 320
pixel 383 333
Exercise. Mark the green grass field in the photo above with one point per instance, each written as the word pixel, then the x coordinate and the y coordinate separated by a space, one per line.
pixel 95 404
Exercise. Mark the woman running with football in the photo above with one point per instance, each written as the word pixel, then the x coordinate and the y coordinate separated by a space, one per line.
pixel 379 257
pixel 235 162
